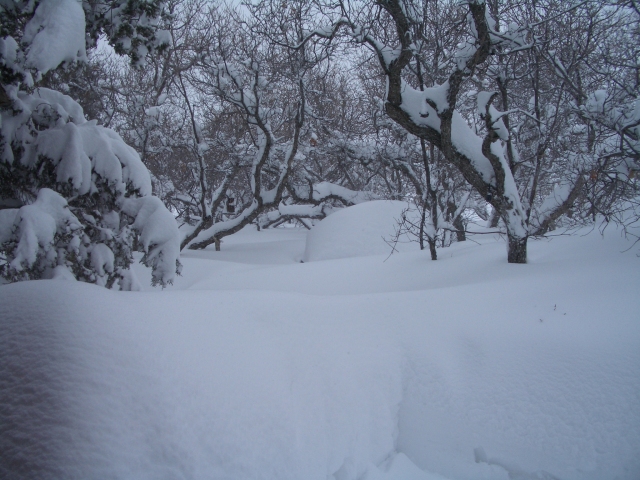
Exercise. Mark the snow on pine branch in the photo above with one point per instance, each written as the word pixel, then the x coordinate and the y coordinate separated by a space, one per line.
pixel 32 231
pixel 159 237
pixel 69 178
pixel 75 148
pixel 55 34
pixel 73 178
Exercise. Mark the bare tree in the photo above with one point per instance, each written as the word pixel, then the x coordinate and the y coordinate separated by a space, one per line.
pixel 486 55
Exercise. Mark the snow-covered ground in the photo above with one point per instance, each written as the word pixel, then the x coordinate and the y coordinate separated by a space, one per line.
pixel 257 366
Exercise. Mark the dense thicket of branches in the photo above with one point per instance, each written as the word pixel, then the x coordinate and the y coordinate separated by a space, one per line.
pixel 522 114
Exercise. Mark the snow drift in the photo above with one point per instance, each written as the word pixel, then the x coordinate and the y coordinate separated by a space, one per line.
pixel 465 368
pixel 361 230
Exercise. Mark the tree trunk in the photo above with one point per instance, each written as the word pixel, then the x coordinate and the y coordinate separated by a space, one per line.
pixel 459 226
pixel 432 248
pixel 430 241
pixel 494 220
pixel 422 220
pixel 517 249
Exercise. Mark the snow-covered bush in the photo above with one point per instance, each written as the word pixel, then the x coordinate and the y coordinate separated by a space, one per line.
pixel 74 198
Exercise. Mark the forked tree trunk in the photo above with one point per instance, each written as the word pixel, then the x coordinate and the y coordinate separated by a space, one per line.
pixel 517 249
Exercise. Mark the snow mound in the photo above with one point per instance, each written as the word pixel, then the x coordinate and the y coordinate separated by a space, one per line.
pixel 100 384
pixel 358 231
pixel 467 368
pixel 399 467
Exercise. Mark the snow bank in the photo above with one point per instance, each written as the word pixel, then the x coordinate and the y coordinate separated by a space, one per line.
pixel 468 368
pixel 95 384
pixel 357 231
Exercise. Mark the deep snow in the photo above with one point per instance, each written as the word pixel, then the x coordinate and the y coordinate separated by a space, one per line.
pixel 257 366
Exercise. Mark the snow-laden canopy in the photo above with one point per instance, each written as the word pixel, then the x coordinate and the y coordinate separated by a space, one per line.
pixel 77 194
pixel 64 155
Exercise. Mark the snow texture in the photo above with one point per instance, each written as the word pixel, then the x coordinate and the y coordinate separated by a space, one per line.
pixel 77 150
pixel 418 104
pixel 556 198
pixel 470 145
pixel 361 230
pixel 158 234
pixel 47 108
pixel 35 227
pixel 74 145
pixel 55 34
pixel 9 52
pixel 86 159
pixel 420 107
pixel 325 190
pixel 467 368
pixel 495 116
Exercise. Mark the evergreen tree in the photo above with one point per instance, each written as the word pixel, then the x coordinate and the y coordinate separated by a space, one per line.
pixel 75 200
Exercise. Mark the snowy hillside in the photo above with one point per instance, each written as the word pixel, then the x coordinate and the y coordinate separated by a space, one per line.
pixel 257 366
